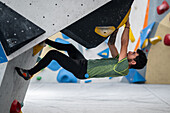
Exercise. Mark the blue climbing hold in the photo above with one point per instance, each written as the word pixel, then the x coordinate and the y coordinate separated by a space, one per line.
pixel 61 41
pixel 65 36
pixel 54 66
pixel 86 75
pixel 65 76
pixel 110 77
pixel 145 33
pixel 88 81
pixel 104 53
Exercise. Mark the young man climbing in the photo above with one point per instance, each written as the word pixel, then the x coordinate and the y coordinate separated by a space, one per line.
pixel 82 68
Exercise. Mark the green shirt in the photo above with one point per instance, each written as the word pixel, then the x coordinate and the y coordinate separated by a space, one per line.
pixel 107 67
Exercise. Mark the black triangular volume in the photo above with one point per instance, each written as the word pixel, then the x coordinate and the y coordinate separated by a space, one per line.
pixel 15 30
pixel 110 14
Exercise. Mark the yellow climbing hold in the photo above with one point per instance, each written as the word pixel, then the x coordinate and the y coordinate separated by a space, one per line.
pixel 155 40
pixel 125 19
pixel 38 48
pixel 131 36
pixel 104 53
pixel 145 43
pixel 105 31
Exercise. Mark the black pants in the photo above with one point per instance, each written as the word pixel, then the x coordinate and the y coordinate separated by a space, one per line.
pixel 75 62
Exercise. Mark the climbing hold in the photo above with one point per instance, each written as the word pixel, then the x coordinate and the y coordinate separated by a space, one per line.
pixel 163 7
pixel 54 66
pixel 167 39
pixel 38 48
pixel 145 43
pixel 88 81
pixel 104 53
pixel 61 41
pixel 105 31
pixel 131 36
pixel 110 77
pixel 155 40
pixel 65 36
pixel 15 107
pixel 39 78
pixel 145 33
pixel 146 50
pixel 86 75
pixel 134 76
pixel 65 76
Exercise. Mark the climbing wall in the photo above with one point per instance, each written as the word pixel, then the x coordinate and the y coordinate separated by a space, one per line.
pixel 101 51
pixel 153 70
pixel 46 15
pixel 158 64
pixel 13 86
pixel 17 46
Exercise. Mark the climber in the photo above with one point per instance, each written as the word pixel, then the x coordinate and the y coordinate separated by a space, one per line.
pixel 82 68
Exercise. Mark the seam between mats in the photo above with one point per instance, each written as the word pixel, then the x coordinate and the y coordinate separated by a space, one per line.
pixel 156 96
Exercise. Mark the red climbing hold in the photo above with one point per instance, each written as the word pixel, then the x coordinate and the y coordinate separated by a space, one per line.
pixel 15 107
pixel 163 7
pixel 167 39
pixel 146 50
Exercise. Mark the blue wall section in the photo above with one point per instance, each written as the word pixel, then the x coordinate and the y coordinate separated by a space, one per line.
pixel 2 55
pixel 134 77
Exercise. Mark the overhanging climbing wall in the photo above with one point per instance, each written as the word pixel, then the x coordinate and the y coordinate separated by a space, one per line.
pixel 113 14
pixel 44 14
pixel 15 30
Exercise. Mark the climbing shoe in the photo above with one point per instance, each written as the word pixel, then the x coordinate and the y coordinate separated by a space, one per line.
pixel 23 73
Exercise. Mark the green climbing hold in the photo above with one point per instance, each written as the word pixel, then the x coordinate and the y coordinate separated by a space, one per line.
pixel 39 78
